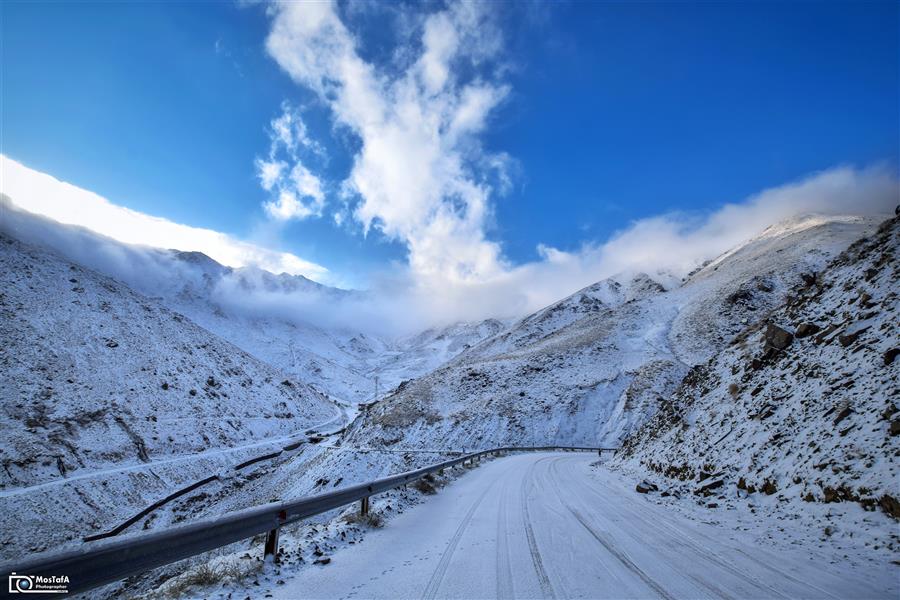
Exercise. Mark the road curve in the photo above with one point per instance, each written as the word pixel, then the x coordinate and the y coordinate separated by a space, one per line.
pixel 544 526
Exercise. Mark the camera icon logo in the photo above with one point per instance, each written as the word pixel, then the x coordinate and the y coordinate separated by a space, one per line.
pixel 21 584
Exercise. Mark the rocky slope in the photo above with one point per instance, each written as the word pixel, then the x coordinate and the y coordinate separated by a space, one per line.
pixel 592 367
pixel 803 405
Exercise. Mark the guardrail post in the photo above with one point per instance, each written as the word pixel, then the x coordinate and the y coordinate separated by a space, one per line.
pixel 364 506
pixel 271 545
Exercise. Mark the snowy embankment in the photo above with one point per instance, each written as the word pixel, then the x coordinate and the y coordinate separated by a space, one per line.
pixel 541 526
pixel 799 417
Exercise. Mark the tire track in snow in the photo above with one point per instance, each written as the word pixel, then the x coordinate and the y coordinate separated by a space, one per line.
pixel 554 469
pixel 537 561
pixel 611 574
pixel 504 569
pixel 618 555
pixel 685 539
pixel 787 576
pixel 621 556
pixel 437 577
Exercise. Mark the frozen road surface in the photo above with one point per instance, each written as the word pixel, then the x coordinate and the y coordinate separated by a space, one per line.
pixel 550 526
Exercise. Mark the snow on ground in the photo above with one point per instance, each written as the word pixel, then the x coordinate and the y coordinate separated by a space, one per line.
pixel 800 414
pixel 539 525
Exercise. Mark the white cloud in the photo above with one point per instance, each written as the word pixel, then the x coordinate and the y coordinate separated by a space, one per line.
pixel 420 172
pixel 269 172
pixel 402 300
pixel 421 176
pixel 666 246
pixel 297 193
pixel 42 194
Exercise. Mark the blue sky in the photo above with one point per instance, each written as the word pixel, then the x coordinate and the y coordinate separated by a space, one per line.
pixel 601 114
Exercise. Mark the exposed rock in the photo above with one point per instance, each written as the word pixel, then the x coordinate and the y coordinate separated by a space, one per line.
pixel 848 338
pixel 895 427
pixel 890 505
pixel 705 490
pixel 645 487
pixel 769 487
pixel 890 355
pixel 744 297
pixel 865 300
pixel 842 415
pixel 807 329
pixel 778 337
pixel 824 335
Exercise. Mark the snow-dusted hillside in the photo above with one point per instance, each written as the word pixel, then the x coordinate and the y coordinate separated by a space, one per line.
pixel 109 398
pixel 802 407
pixel 721 299
pixel 590 368
pixel 278 319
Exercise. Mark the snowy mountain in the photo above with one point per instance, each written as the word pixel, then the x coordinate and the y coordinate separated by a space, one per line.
pixel 278 319
pixel 118 397
pixel 589 369
pixel 803 406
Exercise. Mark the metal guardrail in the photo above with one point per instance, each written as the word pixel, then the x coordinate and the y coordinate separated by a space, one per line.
pixel 105 561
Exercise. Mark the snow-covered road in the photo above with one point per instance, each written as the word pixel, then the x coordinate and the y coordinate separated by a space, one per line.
pixel 549 525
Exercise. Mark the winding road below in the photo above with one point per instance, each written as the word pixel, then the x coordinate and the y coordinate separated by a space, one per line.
pixel 549 525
